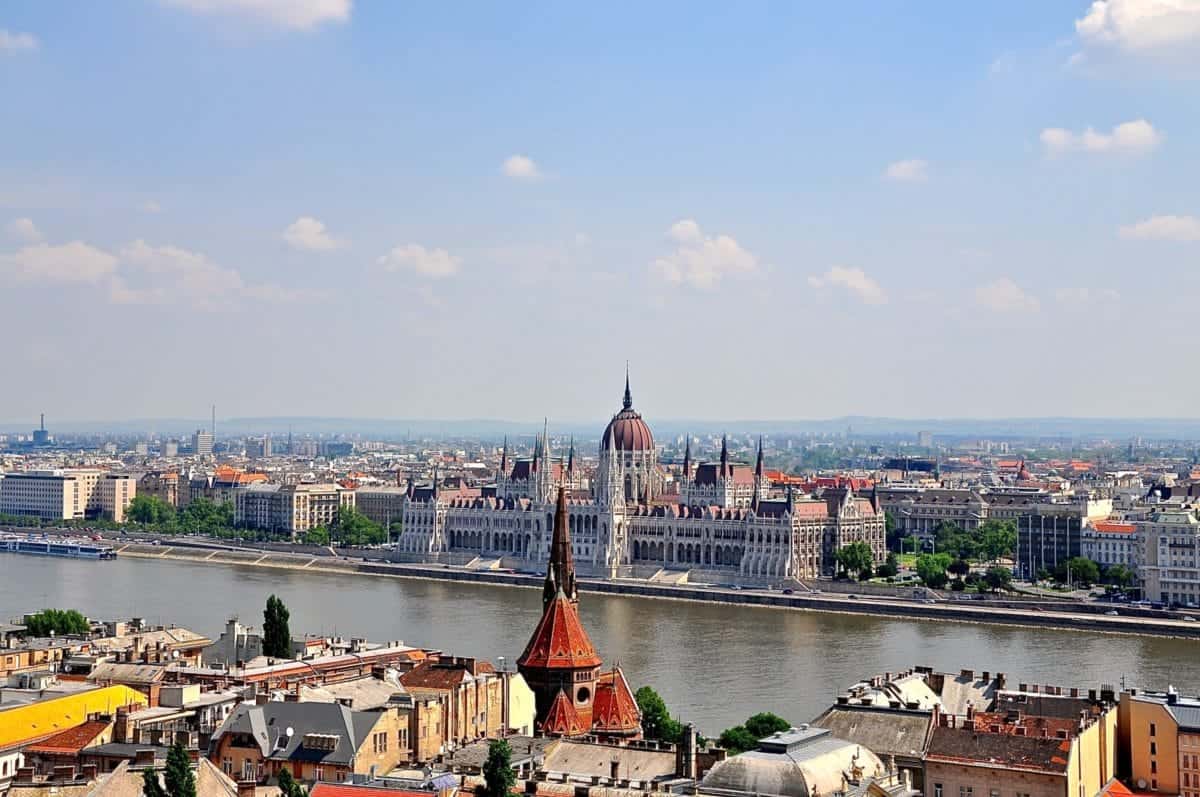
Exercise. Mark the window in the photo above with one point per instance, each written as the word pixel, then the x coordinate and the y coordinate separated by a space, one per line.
pixel 318 773
pixel 1152 729
pixel 1154 767
pixel 1154 748
pixel 966 791
pixel 937 790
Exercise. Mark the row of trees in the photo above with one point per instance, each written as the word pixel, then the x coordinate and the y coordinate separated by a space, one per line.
pixel 56 621
pixel 203 516
pixel 1084 572
pixel 659 725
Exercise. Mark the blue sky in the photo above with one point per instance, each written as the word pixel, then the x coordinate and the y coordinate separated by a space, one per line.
pixel 772 210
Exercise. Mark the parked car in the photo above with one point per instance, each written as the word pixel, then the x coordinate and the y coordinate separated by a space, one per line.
pixel 1112 613
pixel 789 591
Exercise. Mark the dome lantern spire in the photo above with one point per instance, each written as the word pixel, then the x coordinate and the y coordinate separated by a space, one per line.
pixel 627 403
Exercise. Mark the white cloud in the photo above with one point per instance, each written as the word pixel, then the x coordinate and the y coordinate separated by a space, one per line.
pixel 702 260
pixel 1163 228
pixel 71 262
pixel 286 14
pixel 150 206
pixel 854 280
pixel 1005 296
pixel 1142 26
pixel 911 171
pixel 520 167
pixel 436 263
pixel 24 229
pixel 1085 296
pixel 1133 138
pixel 12 43
pixel 309 234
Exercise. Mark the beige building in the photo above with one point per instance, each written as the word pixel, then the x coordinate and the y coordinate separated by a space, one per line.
pixel 1169 566
pixel 66 494
pixel 1160 742
pixel 291 508
pixel 381 504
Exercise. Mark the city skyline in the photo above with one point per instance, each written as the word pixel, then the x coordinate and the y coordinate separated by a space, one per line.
pixel 364 210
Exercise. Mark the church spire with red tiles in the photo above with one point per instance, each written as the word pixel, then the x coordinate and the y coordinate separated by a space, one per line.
pixel 560 575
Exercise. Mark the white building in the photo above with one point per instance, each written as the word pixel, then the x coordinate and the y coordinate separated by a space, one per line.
pixel 722 521
pixel 66 494
pixel 1169 566
pixel 1108 542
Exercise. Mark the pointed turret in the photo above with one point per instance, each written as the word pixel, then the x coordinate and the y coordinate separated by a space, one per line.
pixel 724 456
pixel 504 458
pixel 560 575
pixel 435 483
pixel 687 459
pixel 627 403
pixel 758 465
pixel 571 458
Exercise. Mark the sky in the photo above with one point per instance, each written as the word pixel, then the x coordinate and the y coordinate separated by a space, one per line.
pixel 769 210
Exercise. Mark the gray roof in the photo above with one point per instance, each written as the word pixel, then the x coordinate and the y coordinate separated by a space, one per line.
pixel 1188 716
pixel 268 725
pixel 882 731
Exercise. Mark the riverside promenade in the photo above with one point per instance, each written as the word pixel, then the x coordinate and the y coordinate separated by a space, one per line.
pixel 1048 614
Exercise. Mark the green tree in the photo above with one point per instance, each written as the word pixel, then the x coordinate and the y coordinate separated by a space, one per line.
pixel 959 567
pixel 277 638
pixel 58 621
pixel 1119 576
pixel 288 786
pixel 657 722
pixel 317 536
pixel 150 784
pixel 1084 571
pixel 498 775
pixel 204 516
pixel 765 723
pixel 178 777
pixel 931 569
pixel 855 558
pixel 1042 574
pixel 997 539
pixel 890 567
pixel 355 528
pixel 150 510
pixel 737 740
pixel 998 578
pixel 891 531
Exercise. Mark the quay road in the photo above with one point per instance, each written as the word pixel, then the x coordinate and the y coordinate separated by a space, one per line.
pixel 1052 614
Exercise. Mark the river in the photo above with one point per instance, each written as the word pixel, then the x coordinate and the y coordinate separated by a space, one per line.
pixel 713 664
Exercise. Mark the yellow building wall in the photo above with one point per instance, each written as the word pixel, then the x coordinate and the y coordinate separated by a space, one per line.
pixel 34 721
pixel 1153 758
pixel 1093 757
pixel 522 706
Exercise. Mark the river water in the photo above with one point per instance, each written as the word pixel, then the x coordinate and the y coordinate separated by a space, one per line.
pixel 713 664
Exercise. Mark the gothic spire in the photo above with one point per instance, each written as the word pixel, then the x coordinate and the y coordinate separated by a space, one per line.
pixel 724 455
pixel 504 458
pixel 628 402
pixel 687 458
pixel 560 575
pixel 571 457
pixel 758 466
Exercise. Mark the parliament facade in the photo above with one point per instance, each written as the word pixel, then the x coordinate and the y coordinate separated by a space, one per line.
pixel 723 520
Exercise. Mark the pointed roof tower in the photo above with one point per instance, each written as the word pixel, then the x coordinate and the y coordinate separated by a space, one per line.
pixel 504 458
pixel 560 575
pixel 571 457
pixel 724 456
pixel 687 459
pixel 627 403
pixel 562 719
pixel 758 465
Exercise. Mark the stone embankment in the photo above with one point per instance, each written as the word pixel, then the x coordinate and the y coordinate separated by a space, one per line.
pixel 1049 615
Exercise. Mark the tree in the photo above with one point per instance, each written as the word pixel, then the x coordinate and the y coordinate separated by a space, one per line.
pixel 737 740
pixel 1084 571
pixel 1119 576
pixel 277 638
pixel 890 567
pixel 288 786
pixel 997 539
pixel 657 722
pixel 498 773
pixel 998 578
pixel 317 536
pixel 179 778
pixel 150 510
pixel 959 567
pixel 355 528
pixel 931 569
pixel 57 621
pixel 765 723
pixel 204 516
pixel 855 558
pixel 1042 574
pixel 891 529
pixel 150 785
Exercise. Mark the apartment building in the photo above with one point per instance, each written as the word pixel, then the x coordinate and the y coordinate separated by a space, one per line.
pixel 1169 566
pixel 1110 542
pixel 66 494
pixel 381 504
pixel 1160 742
pixel 290 508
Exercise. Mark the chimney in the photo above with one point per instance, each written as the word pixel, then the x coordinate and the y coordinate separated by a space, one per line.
pixel 246 788
pixel 90 771
pixel 63 774
pixel 143 758
pixel 24 775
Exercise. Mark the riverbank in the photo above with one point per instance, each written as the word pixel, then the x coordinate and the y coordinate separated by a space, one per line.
pixel 951 611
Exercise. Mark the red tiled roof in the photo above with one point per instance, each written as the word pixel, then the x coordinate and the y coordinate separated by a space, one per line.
pixel 338 790
pixel 560 641
pixel 70 741
pixel 1114 527
pixel 562 719
pixel 1116 788
pixel 441 675
pixel 614 709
